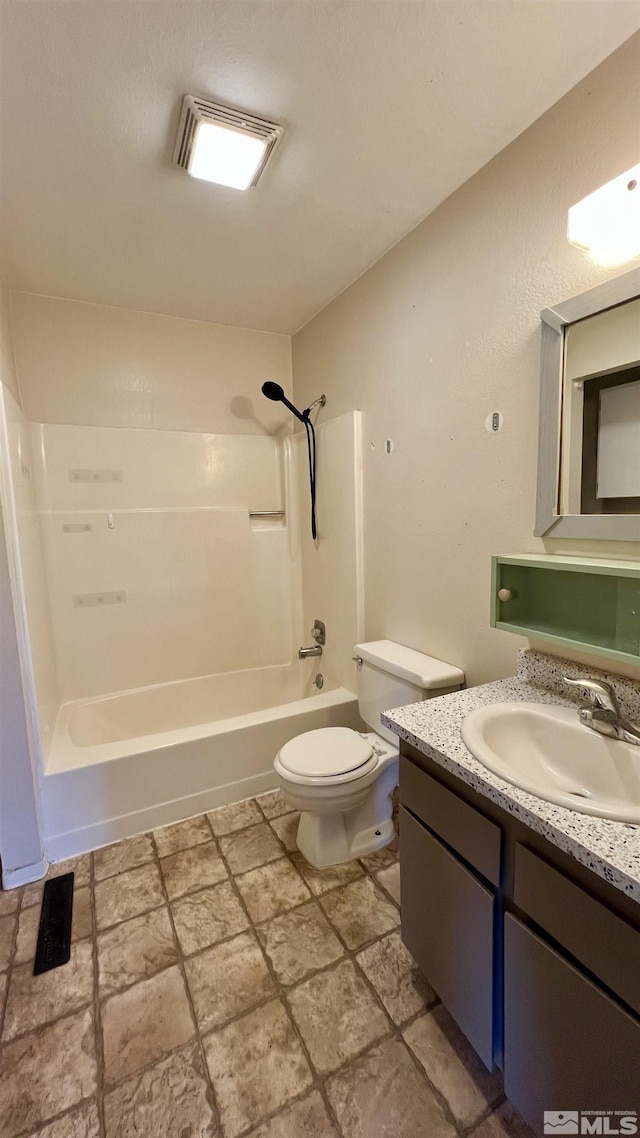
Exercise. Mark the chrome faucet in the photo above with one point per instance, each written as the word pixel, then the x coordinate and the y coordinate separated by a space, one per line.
pixel 304 653
pixel 319 634
pixel 601 713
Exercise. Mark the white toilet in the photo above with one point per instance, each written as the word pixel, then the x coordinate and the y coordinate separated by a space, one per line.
pixel 342 780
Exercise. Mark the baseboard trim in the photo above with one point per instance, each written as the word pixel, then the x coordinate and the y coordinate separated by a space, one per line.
pixel 93 837
pixel 25 874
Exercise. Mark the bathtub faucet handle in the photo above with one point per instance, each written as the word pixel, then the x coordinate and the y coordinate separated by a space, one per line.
pixel 319 632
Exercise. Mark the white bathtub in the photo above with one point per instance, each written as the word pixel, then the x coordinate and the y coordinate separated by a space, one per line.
pixel 125 763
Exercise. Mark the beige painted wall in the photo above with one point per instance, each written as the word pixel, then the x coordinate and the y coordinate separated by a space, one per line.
pixel 440 333
pixel 91 365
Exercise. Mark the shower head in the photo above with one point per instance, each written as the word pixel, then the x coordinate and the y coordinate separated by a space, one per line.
pixel 274 391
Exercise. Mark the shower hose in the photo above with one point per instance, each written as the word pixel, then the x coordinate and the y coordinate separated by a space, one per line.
pixel 311 451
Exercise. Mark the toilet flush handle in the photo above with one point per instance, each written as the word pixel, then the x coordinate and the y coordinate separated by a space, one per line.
pixel 358 659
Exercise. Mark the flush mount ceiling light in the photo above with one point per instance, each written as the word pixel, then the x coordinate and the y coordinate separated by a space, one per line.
pixel 607 222
pixel 223 145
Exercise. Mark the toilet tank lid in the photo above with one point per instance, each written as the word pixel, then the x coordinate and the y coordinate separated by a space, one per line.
pixel 423 671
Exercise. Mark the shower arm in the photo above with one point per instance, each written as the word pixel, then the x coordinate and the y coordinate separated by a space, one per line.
pixel 320 402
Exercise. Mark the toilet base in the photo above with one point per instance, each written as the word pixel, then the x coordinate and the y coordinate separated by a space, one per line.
pixel 323 839
pixel 332 838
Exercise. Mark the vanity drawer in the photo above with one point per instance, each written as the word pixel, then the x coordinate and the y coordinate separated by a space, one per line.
pixel 466 830
pixel 566 1043
pixel 447 925
pixel 596 937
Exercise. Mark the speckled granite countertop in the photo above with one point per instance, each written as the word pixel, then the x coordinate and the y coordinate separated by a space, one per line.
pixel 610 849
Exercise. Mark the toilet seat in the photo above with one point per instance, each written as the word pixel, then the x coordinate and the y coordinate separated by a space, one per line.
pixel 328 753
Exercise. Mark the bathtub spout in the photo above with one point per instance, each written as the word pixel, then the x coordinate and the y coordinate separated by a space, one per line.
pixel 304 653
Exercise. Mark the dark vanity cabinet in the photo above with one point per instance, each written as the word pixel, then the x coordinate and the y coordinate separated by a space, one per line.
pixel 535 957
pixel 450 912
pixel 448 904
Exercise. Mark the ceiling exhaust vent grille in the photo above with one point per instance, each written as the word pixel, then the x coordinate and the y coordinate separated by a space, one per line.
pixel 195 111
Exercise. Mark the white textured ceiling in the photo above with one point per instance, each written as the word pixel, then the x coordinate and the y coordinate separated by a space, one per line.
pixel 388 107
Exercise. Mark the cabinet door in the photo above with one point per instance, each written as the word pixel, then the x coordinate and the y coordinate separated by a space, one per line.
pixel 566 1044
pixel 447 925
pixel 599 940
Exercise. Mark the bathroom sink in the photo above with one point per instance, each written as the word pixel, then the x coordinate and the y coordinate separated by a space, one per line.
pixel 546 751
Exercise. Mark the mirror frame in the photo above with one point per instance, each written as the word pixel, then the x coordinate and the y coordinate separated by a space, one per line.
pixel 549 521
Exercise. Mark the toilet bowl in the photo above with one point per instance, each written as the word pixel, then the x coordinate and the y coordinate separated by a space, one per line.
pixel 342 781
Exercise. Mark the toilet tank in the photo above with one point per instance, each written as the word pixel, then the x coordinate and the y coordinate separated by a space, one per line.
pixel 391 675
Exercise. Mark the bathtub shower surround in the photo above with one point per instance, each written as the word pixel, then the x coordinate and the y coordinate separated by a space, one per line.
pixel 160 566
pixel 164 612
pixel 333 567
pixel 31 599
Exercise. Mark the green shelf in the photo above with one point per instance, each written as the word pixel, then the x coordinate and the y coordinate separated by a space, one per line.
pixel 581 603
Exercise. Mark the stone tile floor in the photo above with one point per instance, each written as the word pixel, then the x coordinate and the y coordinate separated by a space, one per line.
pixel 219 986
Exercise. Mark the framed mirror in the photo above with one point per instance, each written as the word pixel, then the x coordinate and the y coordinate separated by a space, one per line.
pixel 589 433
